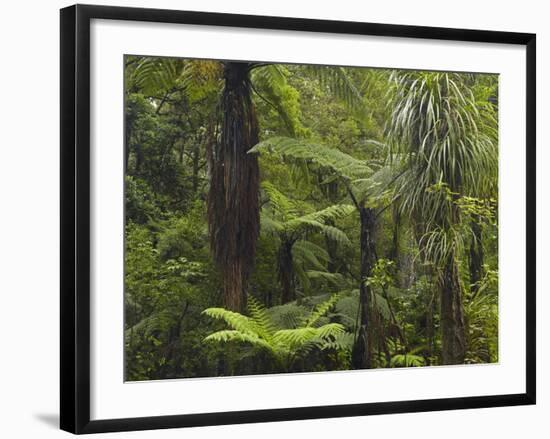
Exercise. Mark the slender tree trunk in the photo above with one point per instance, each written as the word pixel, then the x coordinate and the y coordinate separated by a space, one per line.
pixel 195 178
pixel 129 128
pixel 127 139
pixel 430 327
pixel 233 207
pixel 476 255
pixel 332 251
pixel 331 245
pixel 453 337
pixel 363 347
pixel 285 271
pixel 394 249
pixel 139 159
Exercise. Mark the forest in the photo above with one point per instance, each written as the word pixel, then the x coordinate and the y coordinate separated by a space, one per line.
pixel 305 218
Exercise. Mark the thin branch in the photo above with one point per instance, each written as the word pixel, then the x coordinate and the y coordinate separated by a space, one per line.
pixel 353 199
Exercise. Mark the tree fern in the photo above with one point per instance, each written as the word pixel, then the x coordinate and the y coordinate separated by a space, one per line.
pixel 282 217
pixel 407 360
pixel 339 162
pixel 286 218
pixel 335 279
pixel 310 254
pixel 287 316
pixel 320 310
pixel 259 315
pixel 234 319
pixel 285 344
pixel 233 335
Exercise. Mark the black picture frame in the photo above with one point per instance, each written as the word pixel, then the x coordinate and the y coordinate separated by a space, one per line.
pixel 75 217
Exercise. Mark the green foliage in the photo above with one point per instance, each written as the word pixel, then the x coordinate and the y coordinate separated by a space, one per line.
pixel 481 312
pixel 279 98
pixel 407 360
pixel 333 159
pixel 437 125
pixel 291 222
pixel 339 83
pixel 260 331
pixel 417 150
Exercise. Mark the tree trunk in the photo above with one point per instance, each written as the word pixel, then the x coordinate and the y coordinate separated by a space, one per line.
pixel 394 249
pixel 233 205
pixel 430 327
pixel 195 176
pixel 332 251
pixel 362 349
pixel 332 245
pixel 476 255
pixel 285 271
pixel 453 337
pixel 139 159
pixel 127 139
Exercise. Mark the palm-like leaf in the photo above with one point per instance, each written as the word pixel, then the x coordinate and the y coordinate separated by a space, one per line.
pixel 446 142
pixel 437 127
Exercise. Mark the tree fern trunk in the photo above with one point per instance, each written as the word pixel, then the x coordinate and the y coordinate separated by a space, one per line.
pixel 233 210
pixel 476 255
pixel 453 337
pixel 363 347
pixel 285 272
pixel 332 245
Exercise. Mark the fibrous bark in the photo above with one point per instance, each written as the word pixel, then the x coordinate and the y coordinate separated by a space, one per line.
pixel 233 207
pixel 285 271
pixel 363 347
pixel 476 255
pixel 453 338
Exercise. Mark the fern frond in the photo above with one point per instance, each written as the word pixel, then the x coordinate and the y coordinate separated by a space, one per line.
pixel 310 254
pixel 320 310
pixel 287 316
pixel 261 318
pixel 382 306
pixel 323 156
pixel 238 336
pixel 342 341
pixel 270 225
pixel 234 320
pixel 278 201
pixel 335 234
pixel 407 360
pixel 331 232
pixel 294 337
pixel 335 279
pixel 156 75
pixel 330 330
pixel 303 340
pixel 331 213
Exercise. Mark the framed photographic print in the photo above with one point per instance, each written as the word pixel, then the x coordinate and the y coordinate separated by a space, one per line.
pixel 267 218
